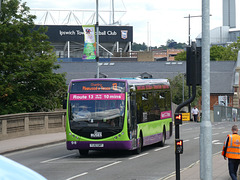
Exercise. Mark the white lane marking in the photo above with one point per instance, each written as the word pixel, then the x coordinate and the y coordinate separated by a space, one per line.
pixel 80 162
pixel 108 165
pixel 196 138
pixel 54 159
pixel 224 132
pixel 138 156
pixel 216 142
pixel 185 124
pixel 215 134
pixel 186 140
pixel 161 148
pixel 79 175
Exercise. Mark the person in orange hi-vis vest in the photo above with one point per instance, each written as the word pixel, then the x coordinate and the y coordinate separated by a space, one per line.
pixel 231 150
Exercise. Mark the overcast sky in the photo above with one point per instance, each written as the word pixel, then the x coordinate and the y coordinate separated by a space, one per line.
pixel 153 21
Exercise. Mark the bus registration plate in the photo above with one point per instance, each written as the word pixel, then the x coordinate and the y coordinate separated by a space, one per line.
pixel 96 145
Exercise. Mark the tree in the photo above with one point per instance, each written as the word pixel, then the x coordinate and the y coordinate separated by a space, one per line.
pixel 177 89
pixel 27 63
pixel 139 47
pixel 171 44
pixel 216 53
pixel 182 56
pixel 232 51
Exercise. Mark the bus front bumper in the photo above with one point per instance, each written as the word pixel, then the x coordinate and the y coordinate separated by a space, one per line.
pixel 100 145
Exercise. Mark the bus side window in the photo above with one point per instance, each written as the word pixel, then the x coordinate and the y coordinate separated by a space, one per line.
pixel 129 113
pixel 139 107
pixel 162 101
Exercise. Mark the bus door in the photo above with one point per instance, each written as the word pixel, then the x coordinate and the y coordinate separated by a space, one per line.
pixel 132 118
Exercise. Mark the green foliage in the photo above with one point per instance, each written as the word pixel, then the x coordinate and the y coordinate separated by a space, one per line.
pixel 232 50
pixel 229 53
pixel 217 53
pixel 139 47
pixel 27 80
pixel 177 89
pixel 170 44
pixel 182 56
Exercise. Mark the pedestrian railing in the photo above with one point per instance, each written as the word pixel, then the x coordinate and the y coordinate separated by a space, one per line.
pixel 225 113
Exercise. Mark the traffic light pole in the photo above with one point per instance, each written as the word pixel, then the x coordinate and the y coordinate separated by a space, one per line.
pixel 177 134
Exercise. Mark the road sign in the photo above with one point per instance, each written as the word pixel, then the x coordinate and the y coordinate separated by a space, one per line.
pixel 186 116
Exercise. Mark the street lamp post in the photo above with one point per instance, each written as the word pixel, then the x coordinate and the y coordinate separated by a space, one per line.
pixel 97 46
pixel 189 27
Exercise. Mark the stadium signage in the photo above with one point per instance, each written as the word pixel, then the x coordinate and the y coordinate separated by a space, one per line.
pixel 79 33
pixel 75 33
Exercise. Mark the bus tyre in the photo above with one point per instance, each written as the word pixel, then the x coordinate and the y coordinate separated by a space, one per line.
pixel 139 148
pixel 162 143
pixel 83 152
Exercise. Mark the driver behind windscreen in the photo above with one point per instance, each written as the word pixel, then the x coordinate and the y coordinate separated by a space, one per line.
pixel 83 113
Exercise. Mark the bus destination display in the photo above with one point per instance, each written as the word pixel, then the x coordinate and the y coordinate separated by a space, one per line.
pixel 103 96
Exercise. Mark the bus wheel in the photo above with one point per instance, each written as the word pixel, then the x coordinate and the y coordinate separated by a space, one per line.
pixel 139 149
pixel 83 152
pixel 162 143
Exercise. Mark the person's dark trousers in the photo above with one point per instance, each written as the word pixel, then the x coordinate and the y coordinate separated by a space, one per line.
pixel 233 167
pixel 195 117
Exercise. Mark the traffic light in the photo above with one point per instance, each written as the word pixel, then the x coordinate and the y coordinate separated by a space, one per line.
pixel 178 118
pixel 178 146
pixel 194 65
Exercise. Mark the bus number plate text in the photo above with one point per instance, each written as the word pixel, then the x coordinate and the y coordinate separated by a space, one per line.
pixel 96 145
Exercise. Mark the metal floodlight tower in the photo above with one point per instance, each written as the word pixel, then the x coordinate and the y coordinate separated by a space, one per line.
pixel 97 48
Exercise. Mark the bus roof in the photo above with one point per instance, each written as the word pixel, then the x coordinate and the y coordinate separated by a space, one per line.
pixel 130 81
pixel 135 83
pixel 148 81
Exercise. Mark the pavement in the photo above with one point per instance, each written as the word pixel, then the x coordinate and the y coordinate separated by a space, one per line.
pixel 27 142
pixel 220 166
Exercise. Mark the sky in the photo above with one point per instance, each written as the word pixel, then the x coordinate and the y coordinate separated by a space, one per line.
pixel 153 21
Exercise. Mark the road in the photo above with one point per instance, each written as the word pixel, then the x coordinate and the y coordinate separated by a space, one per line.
pixel 154 163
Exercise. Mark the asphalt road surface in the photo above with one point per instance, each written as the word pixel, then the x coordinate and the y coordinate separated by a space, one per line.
pixel 55 162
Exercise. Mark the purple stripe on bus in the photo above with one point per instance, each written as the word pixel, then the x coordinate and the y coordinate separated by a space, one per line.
pixel 124 145
pixel 154 138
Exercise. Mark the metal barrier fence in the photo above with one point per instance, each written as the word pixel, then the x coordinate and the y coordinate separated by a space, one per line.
pixel 224 113
pixel 24 124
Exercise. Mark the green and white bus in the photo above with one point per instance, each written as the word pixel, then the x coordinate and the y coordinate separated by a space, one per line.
pixel 118 114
